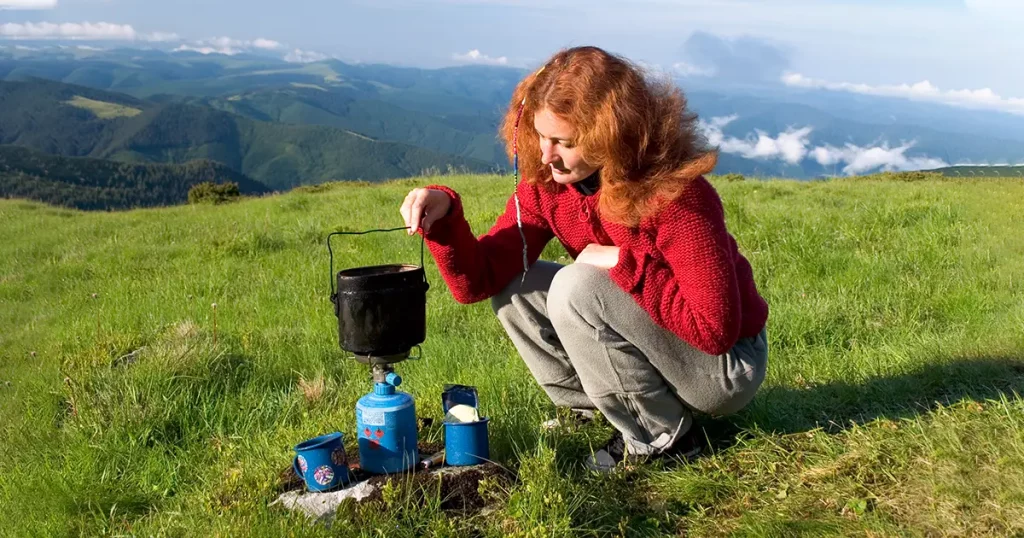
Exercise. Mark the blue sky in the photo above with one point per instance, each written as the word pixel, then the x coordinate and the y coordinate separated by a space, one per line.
pixel 954 45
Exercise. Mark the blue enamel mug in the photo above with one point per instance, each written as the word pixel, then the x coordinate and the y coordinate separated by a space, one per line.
pixel 321 462
pixel 465 443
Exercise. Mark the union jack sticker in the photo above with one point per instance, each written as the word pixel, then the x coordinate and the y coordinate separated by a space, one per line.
pixel 323 475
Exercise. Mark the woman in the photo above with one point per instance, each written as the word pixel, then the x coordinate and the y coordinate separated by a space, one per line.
pixel 659 315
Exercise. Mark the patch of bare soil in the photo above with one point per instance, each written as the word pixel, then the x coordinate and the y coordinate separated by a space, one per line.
pixel 458 487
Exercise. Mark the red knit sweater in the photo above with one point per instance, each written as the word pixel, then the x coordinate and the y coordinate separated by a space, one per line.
pixel 681 266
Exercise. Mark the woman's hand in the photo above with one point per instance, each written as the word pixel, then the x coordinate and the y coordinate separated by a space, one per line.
pixel 599 256
pixel 422 207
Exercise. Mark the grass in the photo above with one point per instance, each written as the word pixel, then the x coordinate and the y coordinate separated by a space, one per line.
pixel 891 406
pixel 103 109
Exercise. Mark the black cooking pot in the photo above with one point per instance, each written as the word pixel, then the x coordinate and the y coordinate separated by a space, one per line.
pixel 381 309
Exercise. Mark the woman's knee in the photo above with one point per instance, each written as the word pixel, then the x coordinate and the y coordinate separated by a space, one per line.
pixel 576 289
pixel 532 286
pixel 743 372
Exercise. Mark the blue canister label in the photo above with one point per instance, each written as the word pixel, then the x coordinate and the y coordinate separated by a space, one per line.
pixel 371 417
pixel 387 438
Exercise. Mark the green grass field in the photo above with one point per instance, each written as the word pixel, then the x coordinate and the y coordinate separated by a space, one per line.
pixel 102 109
pixel 891 406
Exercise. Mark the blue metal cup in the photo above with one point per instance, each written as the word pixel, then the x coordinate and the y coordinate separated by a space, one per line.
pixel 465 443
pixel 321 462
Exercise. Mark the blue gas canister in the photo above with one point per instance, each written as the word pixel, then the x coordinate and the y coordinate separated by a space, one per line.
pixel 386 424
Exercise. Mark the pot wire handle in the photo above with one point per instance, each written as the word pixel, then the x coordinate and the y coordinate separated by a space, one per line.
pixel 334 293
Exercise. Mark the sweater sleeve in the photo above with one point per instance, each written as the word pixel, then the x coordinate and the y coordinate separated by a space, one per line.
pixel 686 280
pixel 477 268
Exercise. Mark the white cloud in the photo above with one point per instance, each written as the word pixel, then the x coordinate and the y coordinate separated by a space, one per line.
pixel 215 45
pixel 718 122
pixel 984 98
pixel 792 146
pixel 864 159
pixel 83 31
pixel 229 46
pixel 304 56
pixel 263 43
pixel 221 45
pixel 476 57
pixel 161 37
pixel 688 70
pixel 68 30
pixel 28 4
pixel 111 32
pixel 986 164
pixel 206 50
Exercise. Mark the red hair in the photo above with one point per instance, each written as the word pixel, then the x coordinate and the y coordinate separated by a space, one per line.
pixel 637 131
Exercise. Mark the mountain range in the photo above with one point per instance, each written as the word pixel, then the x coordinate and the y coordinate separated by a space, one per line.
pixel 70 120
pixel 287 124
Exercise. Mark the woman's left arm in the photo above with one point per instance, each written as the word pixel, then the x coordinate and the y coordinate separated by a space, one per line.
pixel 686 280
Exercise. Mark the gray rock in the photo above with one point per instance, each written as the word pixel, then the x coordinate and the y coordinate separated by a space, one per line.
pixel 458 487
pixel 323 505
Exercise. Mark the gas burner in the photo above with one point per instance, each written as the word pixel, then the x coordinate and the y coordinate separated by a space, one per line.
pixel 382 316
pixel 374 360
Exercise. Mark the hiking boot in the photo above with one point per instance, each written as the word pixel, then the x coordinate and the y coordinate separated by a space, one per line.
pixel 615 452
pixel 575 418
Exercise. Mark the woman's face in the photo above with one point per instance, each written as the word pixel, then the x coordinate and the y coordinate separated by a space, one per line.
pixel 559 150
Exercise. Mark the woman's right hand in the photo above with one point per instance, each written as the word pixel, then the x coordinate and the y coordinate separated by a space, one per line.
pixel 422 207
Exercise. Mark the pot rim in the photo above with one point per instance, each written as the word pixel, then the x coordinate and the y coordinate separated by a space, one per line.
pixel 367 270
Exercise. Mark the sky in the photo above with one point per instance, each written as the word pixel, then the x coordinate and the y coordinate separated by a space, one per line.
pixel 955 51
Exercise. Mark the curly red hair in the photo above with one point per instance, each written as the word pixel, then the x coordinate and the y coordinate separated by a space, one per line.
pixel 638 131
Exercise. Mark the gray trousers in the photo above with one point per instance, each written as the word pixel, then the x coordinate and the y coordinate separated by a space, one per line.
pixel 590 346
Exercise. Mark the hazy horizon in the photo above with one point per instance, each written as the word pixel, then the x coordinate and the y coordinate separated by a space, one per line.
pixel 950 51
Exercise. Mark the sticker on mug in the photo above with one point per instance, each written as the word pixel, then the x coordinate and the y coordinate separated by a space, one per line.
pixel 323 475
pixel 302 464
pixel 338 457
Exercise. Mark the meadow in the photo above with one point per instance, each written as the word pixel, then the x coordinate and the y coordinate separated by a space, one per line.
pixel 130 405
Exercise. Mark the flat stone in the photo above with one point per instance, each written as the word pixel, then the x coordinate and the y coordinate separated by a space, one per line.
pixel 458 490
pixel 322 505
